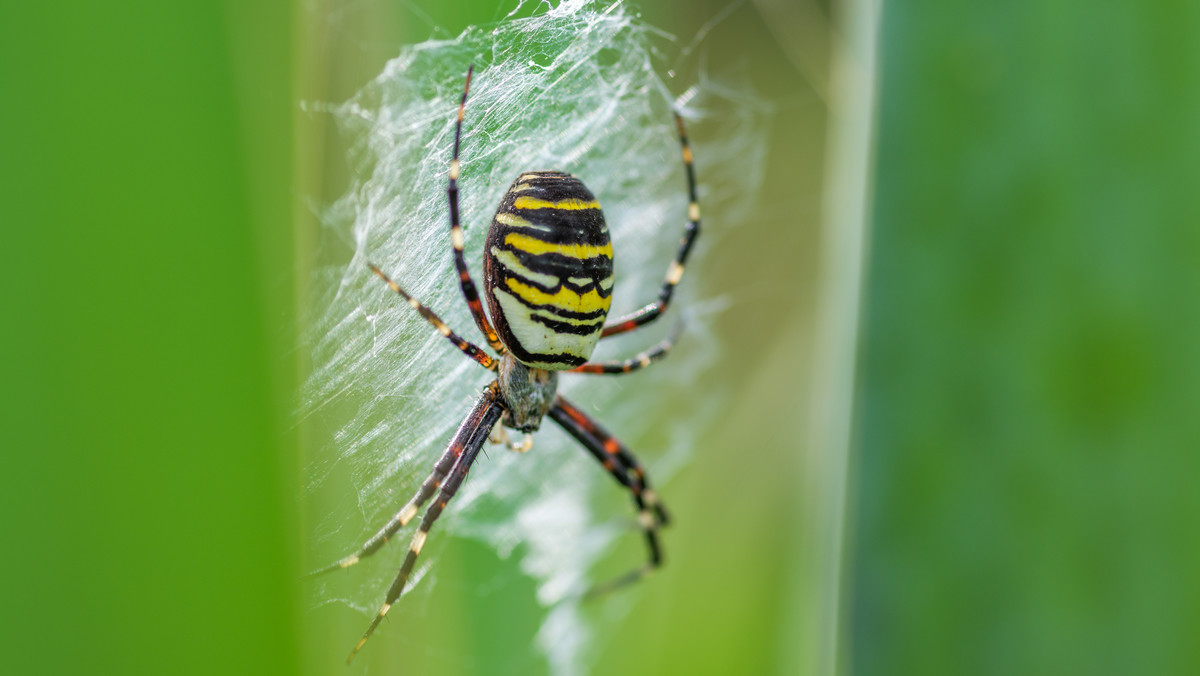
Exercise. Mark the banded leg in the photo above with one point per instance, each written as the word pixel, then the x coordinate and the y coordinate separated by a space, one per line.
pixel 651 312
pixel 639 362
pixel 611 447
pixel 409 510
pixel 456 234
pixel 467 442
pixel 470 349
pixel 626 470
pixel 401 519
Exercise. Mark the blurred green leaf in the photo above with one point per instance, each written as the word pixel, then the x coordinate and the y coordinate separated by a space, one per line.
pixel 1028 447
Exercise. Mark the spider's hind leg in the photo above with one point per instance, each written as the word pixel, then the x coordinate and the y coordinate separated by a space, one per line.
pixel 624 467
pixel 410 509
pixel 401 518
pixel 463 449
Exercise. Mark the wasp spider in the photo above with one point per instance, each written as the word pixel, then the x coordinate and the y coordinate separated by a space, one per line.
pixel 548 281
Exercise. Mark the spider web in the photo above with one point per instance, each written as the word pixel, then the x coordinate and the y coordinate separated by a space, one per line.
pixel 573 88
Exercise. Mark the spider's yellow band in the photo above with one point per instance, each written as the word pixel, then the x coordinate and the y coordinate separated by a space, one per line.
pixel 537 247
pixel 564 298
pixel 518 222
pixel 569 204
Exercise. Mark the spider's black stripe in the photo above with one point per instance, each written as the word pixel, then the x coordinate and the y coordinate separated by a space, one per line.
pixel 596 268
pixel 576 329
pixel 565 226
pixel 527 357
pixel 553 186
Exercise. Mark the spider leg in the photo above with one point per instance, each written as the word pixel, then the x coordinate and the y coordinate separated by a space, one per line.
pixel 470 349
pixel 409 510
pixel 577 422
pixel 456 234
pixel 639 362
pixel 464 448
pixel 401 519
pixel 613 455
pixel 651 312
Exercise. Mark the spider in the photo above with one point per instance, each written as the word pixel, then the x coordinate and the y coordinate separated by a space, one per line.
pixel 548 281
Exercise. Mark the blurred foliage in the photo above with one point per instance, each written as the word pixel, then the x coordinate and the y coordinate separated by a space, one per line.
pixel 145 300
pixel 1028 451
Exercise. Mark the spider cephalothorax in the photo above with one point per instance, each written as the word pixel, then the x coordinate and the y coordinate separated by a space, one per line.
pixel 548 279
pixel 528 393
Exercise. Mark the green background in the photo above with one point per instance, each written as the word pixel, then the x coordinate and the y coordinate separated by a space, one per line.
pixel 1030 373
pixel 1026 444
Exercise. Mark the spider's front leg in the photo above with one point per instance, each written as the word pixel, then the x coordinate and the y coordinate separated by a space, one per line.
pixel 652 311
pixel 468 348
pixel 457 240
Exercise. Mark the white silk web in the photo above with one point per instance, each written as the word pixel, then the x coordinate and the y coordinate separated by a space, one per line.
pixel 574 88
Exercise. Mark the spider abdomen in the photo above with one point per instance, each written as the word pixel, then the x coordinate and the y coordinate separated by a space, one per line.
pixel 548 270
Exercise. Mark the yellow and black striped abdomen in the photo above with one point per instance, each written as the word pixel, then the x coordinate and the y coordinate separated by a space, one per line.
pixel 548 270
